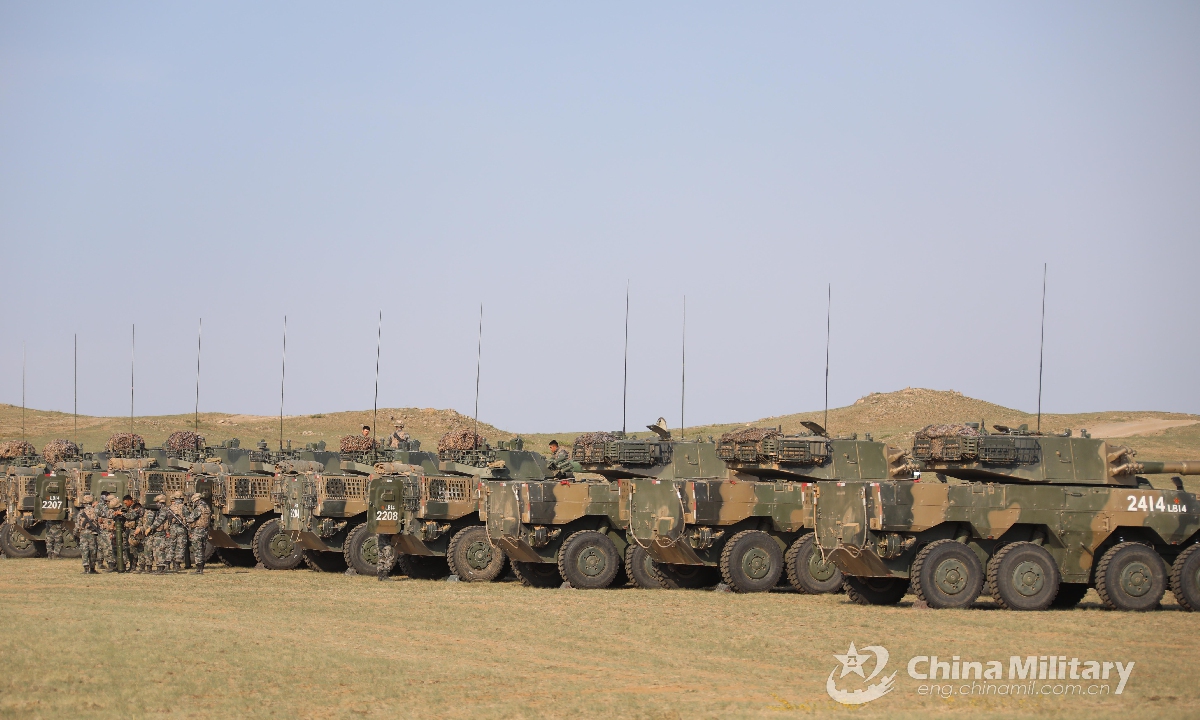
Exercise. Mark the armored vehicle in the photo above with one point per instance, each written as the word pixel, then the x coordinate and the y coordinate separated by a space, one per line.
pixel 434 518
pixel 23 531
pixel 321 497
pixel 384 492
pixel 40 489
pixel 753 522
pixel 1034 519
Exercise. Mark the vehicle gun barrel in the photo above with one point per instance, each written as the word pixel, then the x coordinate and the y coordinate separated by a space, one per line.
pixel 1178 467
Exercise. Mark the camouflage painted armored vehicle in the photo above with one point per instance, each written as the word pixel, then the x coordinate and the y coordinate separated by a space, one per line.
pixel 434 518
pixel 24 470
pixel 565 525
pixel 41 489
pixel 753 523
pixel 1034 519
pixel 384 493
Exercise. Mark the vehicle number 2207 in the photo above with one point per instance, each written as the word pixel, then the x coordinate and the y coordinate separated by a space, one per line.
pixel 385 515
pixel 1145 503
pixel 53 503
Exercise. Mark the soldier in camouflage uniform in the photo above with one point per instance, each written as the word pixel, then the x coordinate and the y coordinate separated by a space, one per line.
pixel 132 513
pixel 156 534
pixel 54 540
pixel 177 532
pixel 387 557
pixel 199 517
pixel 108 526
pixel 559 461
pixel 87 530
pixel 145 558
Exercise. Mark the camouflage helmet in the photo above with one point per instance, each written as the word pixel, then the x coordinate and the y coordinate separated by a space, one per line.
pixel 177 495
pixel 160 498
pixel 196 496
pixel 87 497
pixel 113 501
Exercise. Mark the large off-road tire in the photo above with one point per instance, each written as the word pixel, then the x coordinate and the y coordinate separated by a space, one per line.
pixel 539 575
pixel 324 561
pixel 1069 595
pixel 1131 576
pixel 751 561
pixel 1023 576
pixel 70 548
pixel 1185 579
pixel 473 558
pixel 807 572
pixel 423 567
pixel 686 577
pixel 235 557
pixel 15 544
pixel 589 560
pixel 947 574
pixel 361 552
pixel 640 567
pixel 275 549
pixel 875 590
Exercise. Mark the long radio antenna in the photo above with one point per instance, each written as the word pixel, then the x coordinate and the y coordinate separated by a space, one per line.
pixel 282 380
pixel 378 345
pixel 22 391
pixel 478 356
pixel 828 315
pixel 1042 348
pixel 625 384
pixel 683 375
pixel 77 388
pixel 199 332
pixel 132 364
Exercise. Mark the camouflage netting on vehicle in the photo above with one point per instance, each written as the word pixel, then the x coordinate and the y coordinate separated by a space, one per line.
pixel 594 438
pixel 941 431
pixel 16 449
pixel 460 440
pixel 357 443
pixel 750 434
pixel 125 442
pixel 59 450
pixel 181 440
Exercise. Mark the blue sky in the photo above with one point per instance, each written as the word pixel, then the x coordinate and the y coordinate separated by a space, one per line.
pixel 160 162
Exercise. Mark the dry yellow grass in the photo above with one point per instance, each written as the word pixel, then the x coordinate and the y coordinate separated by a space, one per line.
pixel 256 643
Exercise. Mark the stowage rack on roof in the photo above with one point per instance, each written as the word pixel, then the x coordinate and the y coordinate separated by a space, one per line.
pixel 460 440
pixel 59 450
pixel 770 445
pixel 125 442
pixel 356 444
pixel 16 449
pixel 185 440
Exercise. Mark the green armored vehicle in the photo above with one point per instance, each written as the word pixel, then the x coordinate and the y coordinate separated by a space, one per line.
pixel 384 505
pixel 564 525
pixel 1034 519
pixel 40 488
pixel 434 518
pixel 753 521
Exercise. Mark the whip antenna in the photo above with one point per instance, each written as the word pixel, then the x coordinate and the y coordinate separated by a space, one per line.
pixel 683 376
pixel 1042 348
pixel 76 388
pixel 132 363
pixel 22 391
pixel 828 314
pixel 478 355
pixel 625 384
pixel 198 333
pixel 378 344
pixel 282 380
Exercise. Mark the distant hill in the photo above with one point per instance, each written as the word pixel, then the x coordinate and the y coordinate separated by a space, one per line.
pixel 892 416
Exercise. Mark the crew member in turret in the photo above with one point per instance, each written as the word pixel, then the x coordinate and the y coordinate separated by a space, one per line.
pixel 398 438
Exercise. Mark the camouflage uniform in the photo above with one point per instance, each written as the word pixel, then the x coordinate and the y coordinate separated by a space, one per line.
pixel 108 527
pixel 54 539
pixel 145 562
pixel 559 463
pixel 199 518
pixel 387 556
pixel 87 529
pixel 133 543
pixel 156 534
pixel 177 532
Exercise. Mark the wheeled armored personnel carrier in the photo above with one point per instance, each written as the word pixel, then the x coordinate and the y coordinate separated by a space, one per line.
pixel 39 492
pixel 1035 519
pixel 749 514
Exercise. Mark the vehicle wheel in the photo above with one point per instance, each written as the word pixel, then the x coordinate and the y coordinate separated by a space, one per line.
pixel 875 590
pixel 1023 576
pixel 751 562
pixel 15 544
pixel 947 574
pixel 275 549
pixel 589 560
pixel 234 557
pixel 640 568
pixel 473 558
pixel 540 575
pixel 324 561
pixel 423 567
pixel 1069 595
pixel 361 551
pixel 1185 578
pixel 807 572
pixel 686 577
pixel 1131 576
pixel 70 548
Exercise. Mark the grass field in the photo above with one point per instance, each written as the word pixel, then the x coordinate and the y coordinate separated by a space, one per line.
pixel 258 643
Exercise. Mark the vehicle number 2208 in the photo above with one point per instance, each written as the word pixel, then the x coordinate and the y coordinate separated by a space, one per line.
pixel 385 515
pixel 1146 503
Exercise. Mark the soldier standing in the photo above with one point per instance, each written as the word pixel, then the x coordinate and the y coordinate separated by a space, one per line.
pixel 132 513
pixel 177 533
pixel 87 530
pixel 198 522
pixel 108 525
pixel 145 560
pixel 387 557
pixel 156 531
pixel 54 540
pixel 399 437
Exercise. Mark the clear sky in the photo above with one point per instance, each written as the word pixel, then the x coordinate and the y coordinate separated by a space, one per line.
pixel 162 162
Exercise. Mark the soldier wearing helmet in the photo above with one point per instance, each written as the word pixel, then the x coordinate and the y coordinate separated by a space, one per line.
pixel 105 511
pixel 87 530
pixel 177 533
pixel 156 533
pixel 199 518
pixel 131 514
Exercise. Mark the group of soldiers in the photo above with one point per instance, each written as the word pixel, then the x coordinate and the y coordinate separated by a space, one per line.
pixel 148 539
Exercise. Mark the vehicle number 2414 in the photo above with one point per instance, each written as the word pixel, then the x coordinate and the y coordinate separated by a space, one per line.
pixel 1146 503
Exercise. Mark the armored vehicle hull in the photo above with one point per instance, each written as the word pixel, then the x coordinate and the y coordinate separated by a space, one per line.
pixel 321 501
